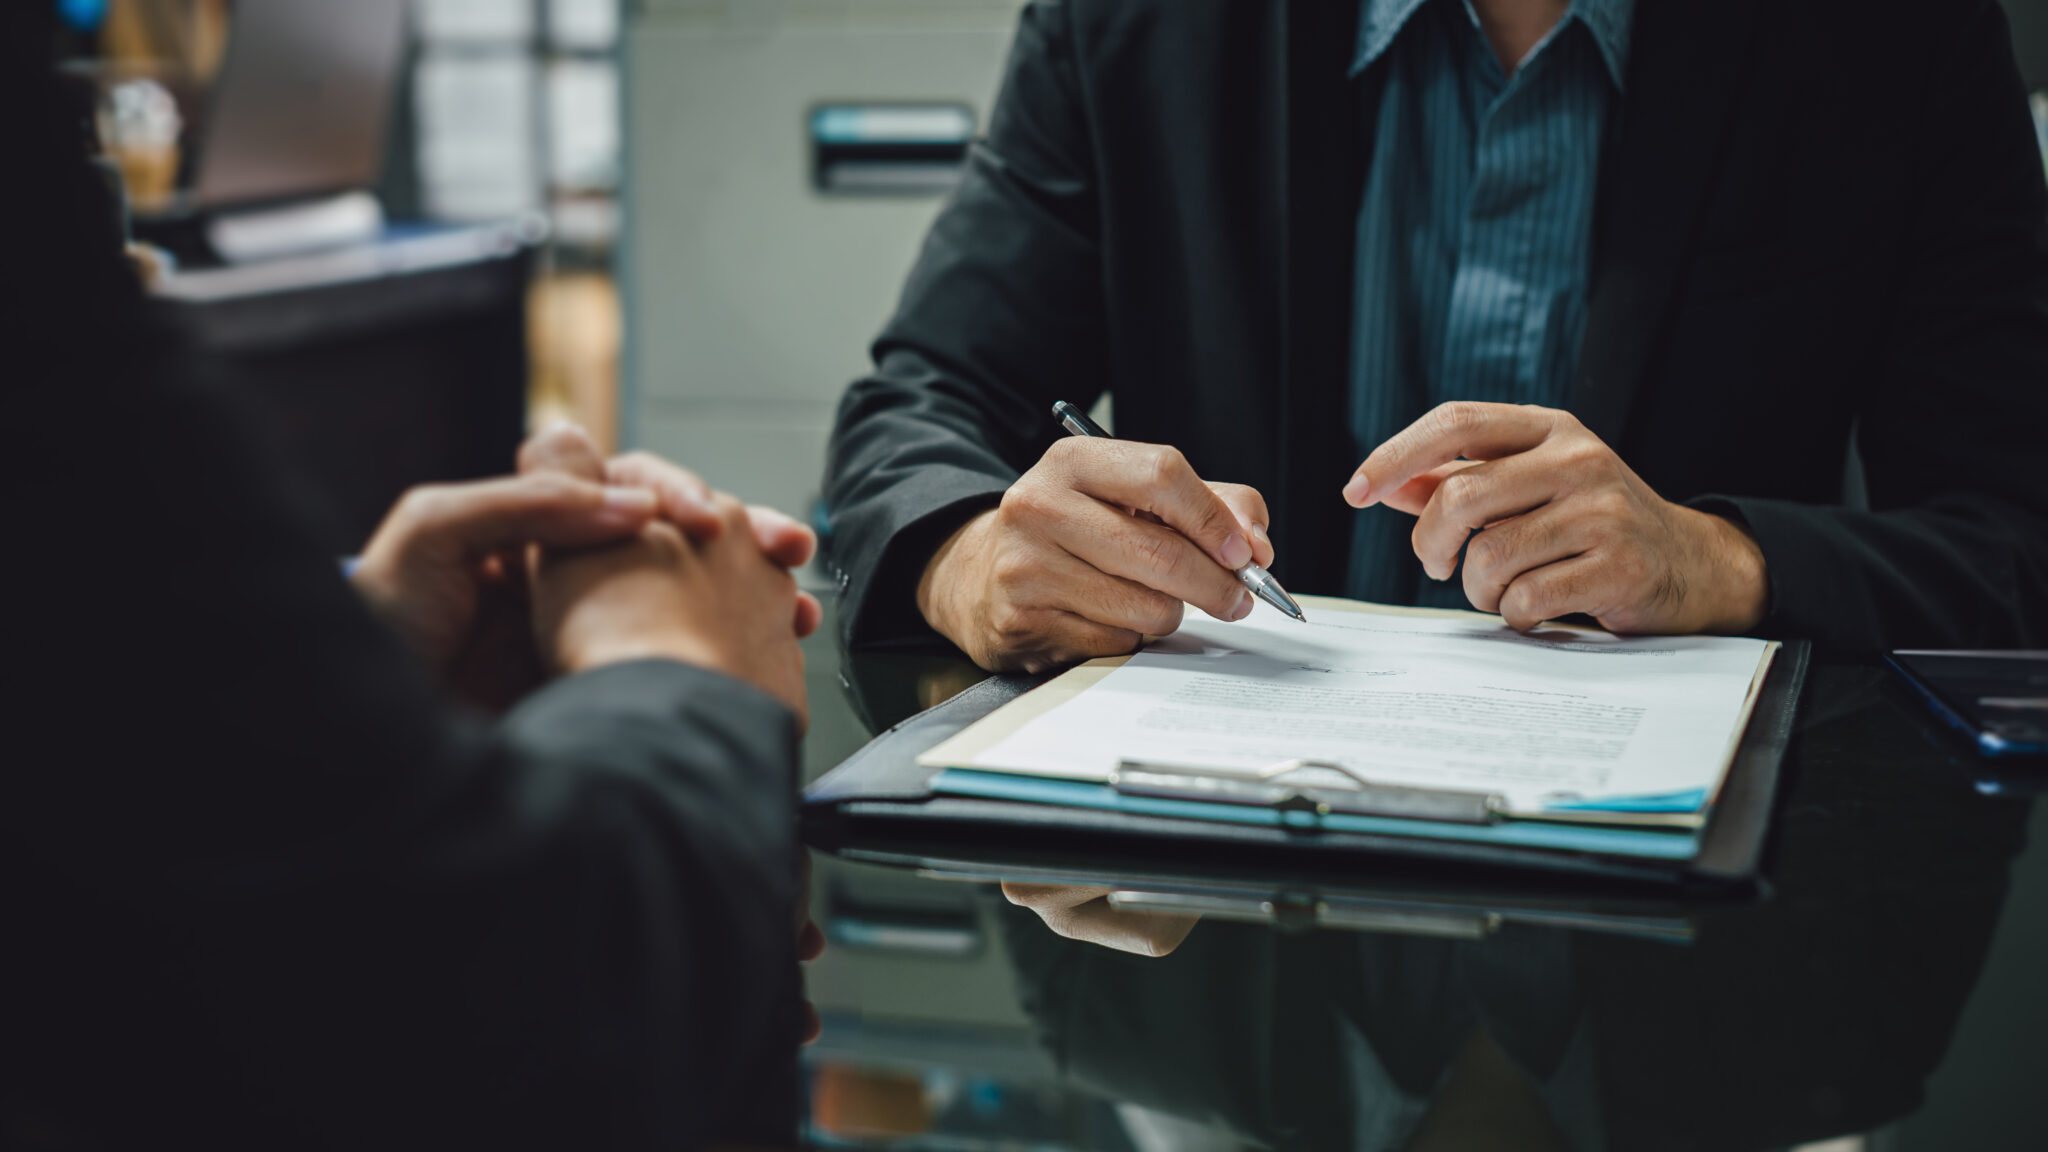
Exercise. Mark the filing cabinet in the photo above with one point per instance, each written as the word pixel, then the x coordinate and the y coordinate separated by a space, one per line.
pixel 765 240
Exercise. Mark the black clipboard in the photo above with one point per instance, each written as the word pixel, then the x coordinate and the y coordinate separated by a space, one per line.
pixel 881 799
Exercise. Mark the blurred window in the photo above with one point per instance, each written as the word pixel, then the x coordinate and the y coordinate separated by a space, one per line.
pixel 515 104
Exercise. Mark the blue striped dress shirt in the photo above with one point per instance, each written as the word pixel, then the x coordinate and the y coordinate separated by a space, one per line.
pixel 1473 238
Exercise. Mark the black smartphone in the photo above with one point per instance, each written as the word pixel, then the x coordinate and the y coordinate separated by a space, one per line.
pixel 1998 699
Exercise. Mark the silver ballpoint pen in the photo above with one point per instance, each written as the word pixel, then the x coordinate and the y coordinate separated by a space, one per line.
pixel 1257 579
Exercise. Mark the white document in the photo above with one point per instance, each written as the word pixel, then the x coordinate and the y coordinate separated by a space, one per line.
pixel 1558 717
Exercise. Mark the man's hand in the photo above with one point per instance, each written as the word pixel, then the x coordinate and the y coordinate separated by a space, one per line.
pixel 1091 551
pixel 1562 525
pixel 720 602
pixel 685 502
pixel 1086 914
pixel 445 570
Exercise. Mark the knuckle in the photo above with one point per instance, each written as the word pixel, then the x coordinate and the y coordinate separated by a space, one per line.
pixel 1588 455
pixel 423 503
pixel 1011 570
pixel 1009 622
pixel 1164 465
pixel 1526 603
pixel 553 442
pixel 1025 500
pixel 1607 508
pixel 1458 492
pixel 537 448
pixel 1485 552
pixel 1458 416
pixel 1514 606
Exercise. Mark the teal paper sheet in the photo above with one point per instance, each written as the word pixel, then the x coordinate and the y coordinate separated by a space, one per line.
pixel 1685 800
pixel 1640 843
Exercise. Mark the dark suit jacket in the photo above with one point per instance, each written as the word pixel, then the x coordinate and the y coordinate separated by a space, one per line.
pixel 261 887
pixel 1818 222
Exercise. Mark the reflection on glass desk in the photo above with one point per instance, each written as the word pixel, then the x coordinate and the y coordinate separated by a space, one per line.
pixel 1887 988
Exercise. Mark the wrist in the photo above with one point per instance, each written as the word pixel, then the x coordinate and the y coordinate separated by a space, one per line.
pixel 682 648
pixel 1743 582
pixel 947 576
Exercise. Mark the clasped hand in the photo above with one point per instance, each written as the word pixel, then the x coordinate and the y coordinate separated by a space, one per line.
pixel 578 562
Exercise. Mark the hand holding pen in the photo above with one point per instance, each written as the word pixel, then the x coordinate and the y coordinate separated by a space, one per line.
pixel 1062 571
pixel 1252 575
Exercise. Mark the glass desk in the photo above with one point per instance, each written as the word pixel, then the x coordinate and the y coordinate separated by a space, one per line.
pixel 1889 992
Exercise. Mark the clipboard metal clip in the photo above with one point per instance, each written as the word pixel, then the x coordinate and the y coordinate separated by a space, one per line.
pixel 1315 787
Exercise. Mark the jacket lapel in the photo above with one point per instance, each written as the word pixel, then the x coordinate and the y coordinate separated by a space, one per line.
pixel 1322 170
pixel 1686 64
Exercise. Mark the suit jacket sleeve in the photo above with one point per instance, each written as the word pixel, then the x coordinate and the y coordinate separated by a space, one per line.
pixel 273 889
pixel 1002 315
pixel 1953 550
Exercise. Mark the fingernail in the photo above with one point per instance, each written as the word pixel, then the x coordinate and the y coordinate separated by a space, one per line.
pixel 564 425
pixel 1259 535
pixel 685 502
pixel 1236 553
pixel 1244 606
pixel 1356 491
pixel 630 500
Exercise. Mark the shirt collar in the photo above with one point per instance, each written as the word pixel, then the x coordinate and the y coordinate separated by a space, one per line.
pixel 1610 22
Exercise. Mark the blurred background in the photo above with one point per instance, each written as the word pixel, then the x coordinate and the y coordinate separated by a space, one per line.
pixel 404 231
